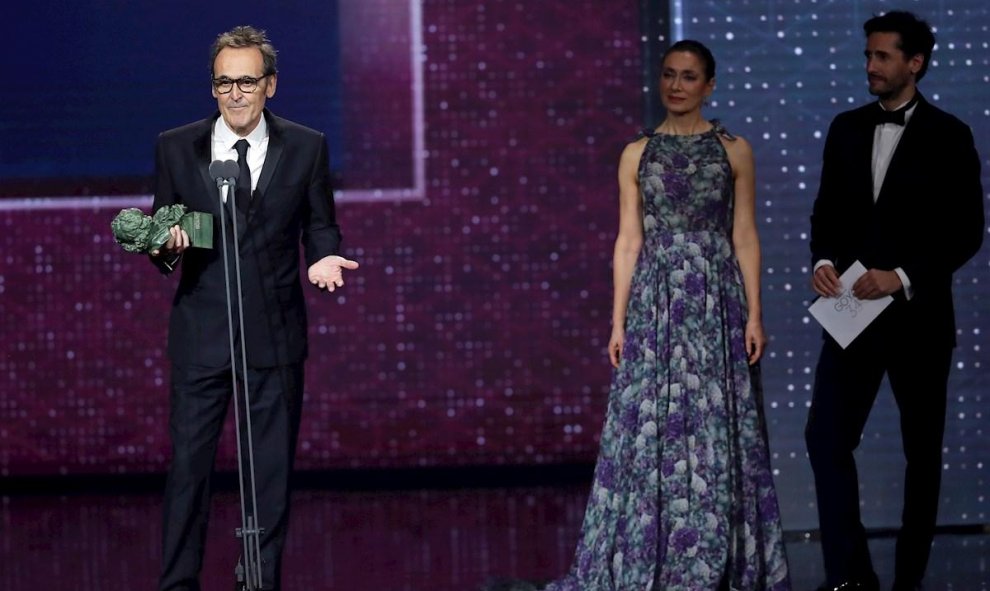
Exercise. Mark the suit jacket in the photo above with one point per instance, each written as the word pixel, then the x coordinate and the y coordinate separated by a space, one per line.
pixel 292 205
pixel 928 218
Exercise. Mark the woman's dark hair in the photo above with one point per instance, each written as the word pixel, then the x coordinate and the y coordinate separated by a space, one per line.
pixel 916 35
pixel 699 50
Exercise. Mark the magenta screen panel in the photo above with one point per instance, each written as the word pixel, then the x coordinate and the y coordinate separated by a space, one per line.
pixel 481 143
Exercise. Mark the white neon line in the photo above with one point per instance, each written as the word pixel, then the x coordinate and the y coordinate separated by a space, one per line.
pixel 365 195
pixel 414 193
pixel 418 118
pixel 677 18
pixel 144 201
pixel 91 203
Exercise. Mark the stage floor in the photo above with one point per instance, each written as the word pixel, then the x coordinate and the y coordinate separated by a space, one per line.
pixel 407 540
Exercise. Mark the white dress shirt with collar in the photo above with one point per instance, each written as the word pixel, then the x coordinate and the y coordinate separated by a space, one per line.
pixel 223 147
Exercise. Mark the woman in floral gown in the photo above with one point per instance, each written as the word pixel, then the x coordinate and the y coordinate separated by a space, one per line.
pixel 683 497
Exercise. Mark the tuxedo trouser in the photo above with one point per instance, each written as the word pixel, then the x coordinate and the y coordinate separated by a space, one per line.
pixel 846 386
pixel 199 401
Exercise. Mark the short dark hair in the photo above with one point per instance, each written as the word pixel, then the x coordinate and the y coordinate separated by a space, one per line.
pixel 916 34
pixel 246 36
pixel 699 50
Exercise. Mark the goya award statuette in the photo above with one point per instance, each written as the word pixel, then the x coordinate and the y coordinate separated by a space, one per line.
pixel 140 233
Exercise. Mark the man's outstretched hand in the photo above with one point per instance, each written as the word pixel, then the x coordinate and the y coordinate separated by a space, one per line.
pixel 328 272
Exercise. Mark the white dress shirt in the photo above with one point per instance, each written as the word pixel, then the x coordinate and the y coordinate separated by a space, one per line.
pixel 223 147
pixel 885 140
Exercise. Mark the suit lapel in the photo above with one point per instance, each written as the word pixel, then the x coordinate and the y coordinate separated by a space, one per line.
pixel 275 145
pixel 864 159
pixel 910 136
pixel 272 156
pixel 203 156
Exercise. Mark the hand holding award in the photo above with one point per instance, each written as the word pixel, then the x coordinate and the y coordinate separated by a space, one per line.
pixel 140 233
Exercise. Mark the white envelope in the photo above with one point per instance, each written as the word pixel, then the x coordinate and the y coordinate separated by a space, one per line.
pixel 844 317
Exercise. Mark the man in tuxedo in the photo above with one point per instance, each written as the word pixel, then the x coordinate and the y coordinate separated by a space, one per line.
pixel 900 192
pixel 283 198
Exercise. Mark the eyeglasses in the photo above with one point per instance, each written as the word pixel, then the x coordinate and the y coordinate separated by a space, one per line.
pixel 246 84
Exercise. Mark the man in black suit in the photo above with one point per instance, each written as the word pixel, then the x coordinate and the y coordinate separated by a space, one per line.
pixel 900 192
pixel 283 197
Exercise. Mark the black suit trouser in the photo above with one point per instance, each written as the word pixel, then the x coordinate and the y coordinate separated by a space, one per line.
pixel 199 401
pixel 846 386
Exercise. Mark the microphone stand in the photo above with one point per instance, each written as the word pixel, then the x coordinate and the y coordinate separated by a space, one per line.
pixel 248 570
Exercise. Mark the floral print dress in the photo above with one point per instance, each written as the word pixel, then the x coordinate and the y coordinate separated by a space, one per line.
pixel 683 497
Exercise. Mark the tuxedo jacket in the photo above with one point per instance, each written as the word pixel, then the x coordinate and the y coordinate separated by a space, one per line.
pixel 928 219
pixel 291 206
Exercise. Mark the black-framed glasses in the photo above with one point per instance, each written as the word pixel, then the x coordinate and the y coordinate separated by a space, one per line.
pixel 246 84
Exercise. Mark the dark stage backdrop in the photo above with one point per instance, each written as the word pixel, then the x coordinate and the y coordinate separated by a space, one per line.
pixel 476 144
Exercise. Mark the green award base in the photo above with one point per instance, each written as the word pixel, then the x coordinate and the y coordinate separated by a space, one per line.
pixel 199 226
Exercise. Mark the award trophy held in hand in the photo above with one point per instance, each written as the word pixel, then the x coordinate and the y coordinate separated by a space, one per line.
pixel 140 233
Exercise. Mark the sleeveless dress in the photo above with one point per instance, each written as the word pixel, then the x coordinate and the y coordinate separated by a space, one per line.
pixel 683 496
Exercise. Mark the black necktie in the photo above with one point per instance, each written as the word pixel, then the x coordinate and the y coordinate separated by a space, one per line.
pixel 243 187
pixel 882 116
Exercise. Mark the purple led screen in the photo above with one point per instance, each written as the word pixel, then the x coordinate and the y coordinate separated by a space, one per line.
pixel 474 331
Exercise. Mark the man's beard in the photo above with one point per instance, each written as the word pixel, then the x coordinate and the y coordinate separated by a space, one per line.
pixel 886 89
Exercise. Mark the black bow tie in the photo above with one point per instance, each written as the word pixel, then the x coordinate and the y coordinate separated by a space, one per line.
pixel 881 115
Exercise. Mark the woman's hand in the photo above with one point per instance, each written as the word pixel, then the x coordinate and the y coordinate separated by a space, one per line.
pixel 615 344
pixel 756 340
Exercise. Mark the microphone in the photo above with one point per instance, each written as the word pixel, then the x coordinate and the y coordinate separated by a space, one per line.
pixel 224 171
pixel 216 171
pixel 230 170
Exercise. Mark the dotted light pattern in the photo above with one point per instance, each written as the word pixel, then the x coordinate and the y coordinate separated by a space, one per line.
pixel 475 330
pixel 785 69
